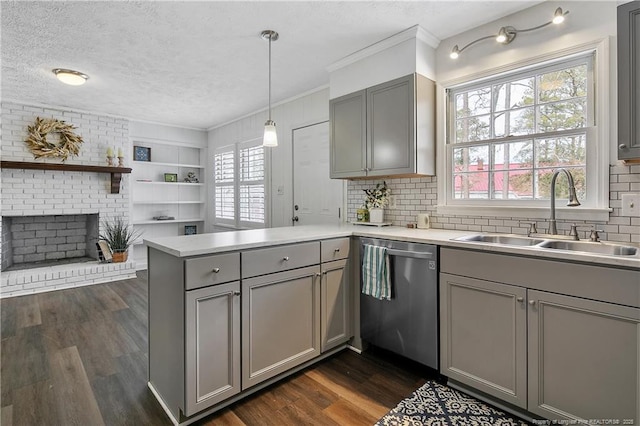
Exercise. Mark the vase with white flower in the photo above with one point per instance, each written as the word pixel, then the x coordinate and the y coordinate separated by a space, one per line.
pixel 376 200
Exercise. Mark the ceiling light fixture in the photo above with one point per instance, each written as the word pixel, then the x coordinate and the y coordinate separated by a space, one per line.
pixel 270 136
pixel 70 77
pixel 507 34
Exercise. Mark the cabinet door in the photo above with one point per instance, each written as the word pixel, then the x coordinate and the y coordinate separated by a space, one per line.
pixel 213 346
pixel 391 127
pixel 584 359
pixel 348 135
pixel 629 81
pixel 280 323
pixel 483 336
pixel 335 327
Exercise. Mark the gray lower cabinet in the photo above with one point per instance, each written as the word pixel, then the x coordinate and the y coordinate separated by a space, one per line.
pixel 528 331
pixel 212 358
pixel 280 322
pixel 335 302
pixel 484 336
pixel 584 359
pixel 385 130
pixel 629 81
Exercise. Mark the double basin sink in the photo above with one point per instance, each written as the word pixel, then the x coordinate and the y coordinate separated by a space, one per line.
pixel 602 248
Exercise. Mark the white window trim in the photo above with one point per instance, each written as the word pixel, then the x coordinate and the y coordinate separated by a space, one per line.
pixel 599 209
pixel 236 223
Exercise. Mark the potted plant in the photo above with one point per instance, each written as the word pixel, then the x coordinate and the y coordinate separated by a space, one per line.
pixel 377 199
pixel 119 236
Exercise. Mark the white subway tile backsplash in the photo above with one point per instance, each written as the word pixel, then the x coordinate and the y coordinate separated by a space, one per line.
pixel 409 200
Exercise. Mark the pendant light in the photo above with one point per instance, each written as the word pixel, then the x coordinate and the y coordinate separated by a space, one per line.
pixel 270 136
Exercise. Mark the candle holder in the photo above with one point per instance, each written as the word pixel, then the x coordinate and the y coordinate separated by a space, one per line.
pixel 120 161
pixel 109 160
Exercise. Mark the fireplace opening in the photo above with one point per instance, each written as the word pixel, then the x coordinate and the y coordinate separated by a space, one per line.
pixel 40 241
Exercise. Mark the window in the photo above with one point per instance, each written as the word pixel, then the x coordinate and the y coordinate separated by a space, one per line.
pixel 224 178
pixel 252 184
pixel 508 134
pixel 239 176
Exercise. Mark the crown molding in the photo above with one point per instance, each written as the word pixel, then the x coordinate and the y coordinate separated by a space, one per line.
pixel 415 32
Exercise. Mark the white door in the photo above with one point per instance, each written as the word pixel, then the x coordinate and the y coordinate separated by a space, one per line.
pixel 316 198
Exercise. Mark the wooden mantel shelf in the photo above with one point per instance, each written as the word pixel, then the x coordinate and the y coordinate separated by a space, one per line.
pixel 116 172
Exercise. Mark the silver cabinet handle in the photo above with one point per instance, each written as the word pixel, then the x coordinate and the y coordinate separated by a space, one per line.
pixel 532 302
pixel 520 299
pixel 622 146
pixel 216 270
pixel 285 258
pixel 336 250
pixel 318 274
pixel 236 293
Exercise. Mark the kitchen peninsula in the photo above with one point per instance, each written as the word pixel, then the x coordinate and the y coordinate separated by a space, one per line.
pixel 232 312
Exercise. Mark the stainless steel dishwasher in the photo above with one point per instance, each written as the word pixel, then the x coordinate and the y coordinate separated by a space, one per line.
pixel 408 323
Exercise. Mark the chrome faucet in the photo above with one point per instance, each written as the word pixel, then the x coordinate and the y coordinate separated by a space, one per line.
pixel 573 198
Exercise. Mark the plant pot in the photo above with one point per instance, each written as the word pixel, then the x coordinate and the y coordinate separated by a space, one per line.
pixel 119 256
pixel 376 215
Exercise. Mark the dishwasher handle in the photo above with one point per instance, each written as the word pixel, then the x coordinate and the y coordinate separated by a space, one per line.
pixel 407 253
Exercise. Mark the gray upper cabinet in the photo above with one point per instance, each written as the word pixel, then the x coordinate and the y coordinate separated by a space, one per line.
pixel 385 130
pixel 348 135
pixel 629 81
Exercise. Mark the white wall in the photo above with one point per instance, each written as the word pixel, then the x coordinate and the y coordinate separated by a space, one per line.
pixel 140 129
pixel 587 21
pixel 407 52
pixel 305 110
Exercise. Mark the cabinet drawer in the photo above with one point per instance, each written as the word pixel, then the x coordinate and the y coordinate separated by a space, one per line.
pixel 208 270
pixel 282 258
pixel 335 249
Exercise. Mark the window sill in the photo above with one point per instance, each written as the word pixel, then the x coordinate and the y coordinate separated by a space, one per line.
pixel 562 213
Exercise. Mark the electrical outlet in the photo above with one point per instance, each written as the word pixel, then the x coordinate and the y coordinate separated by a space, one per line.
pixel 631 205
pixel 392 202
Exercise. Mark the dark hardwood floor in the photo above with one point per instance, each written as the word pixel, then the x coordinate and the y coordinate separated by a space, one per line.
pixel 79 357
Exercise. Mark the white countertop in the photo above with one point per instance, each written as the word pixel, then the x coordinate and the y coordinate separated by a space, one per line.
pixel 193 245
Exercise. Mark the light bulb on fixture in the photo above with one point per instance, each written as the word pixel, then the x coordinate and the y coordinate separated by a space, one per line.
pixel 70 77
pixel 507 33
pixel 502 35
pixel 454 52
pixel 270 138
pixel 558 16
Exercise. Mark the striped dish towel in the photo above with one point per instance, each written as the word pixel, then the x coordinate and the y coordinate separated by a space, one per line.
pixel 375 272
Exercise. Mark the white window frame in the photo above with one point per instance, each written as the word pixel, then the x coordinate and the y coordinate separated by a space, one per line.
pixel 236 223
pixel 596 206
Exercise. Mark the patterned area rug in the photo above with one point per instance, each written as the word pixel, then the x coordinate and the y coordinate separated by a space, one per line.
pixel 437 405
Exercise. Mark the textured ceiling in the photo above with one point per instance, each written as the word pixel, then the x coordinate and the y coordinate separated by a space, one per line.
pixel 200 64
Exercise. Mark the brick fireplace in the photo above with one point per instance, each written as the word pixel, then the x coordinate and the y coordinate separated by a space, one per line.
pixel 37 241
pixel 37 202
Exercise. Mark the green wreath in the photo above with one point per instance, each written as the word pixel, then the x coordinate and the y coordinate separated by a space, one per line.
pixel 39 146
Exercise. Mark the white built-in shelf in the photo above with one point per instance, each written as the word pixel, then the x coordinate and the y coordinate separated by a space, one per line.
pixel 144 182
pixel 159 222
pixel 152 196
pixel 154 163
pixel 167 202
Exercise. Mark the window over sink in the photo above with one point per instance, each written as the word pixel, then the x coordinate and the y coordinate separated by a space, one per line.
pixel 508 132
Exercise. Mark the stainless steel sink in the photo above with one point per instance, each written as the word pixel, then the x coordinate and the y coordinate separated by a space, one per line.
pixel 603 248
pixel 510 240
pixel 589 247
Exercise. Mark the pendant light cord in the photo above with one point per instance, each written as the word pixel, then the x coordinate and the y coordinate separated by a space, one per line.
pixel 270 76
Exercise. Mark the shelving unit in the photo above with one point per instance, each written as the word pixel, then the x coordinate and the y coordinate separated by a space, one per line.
pixel 184 202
